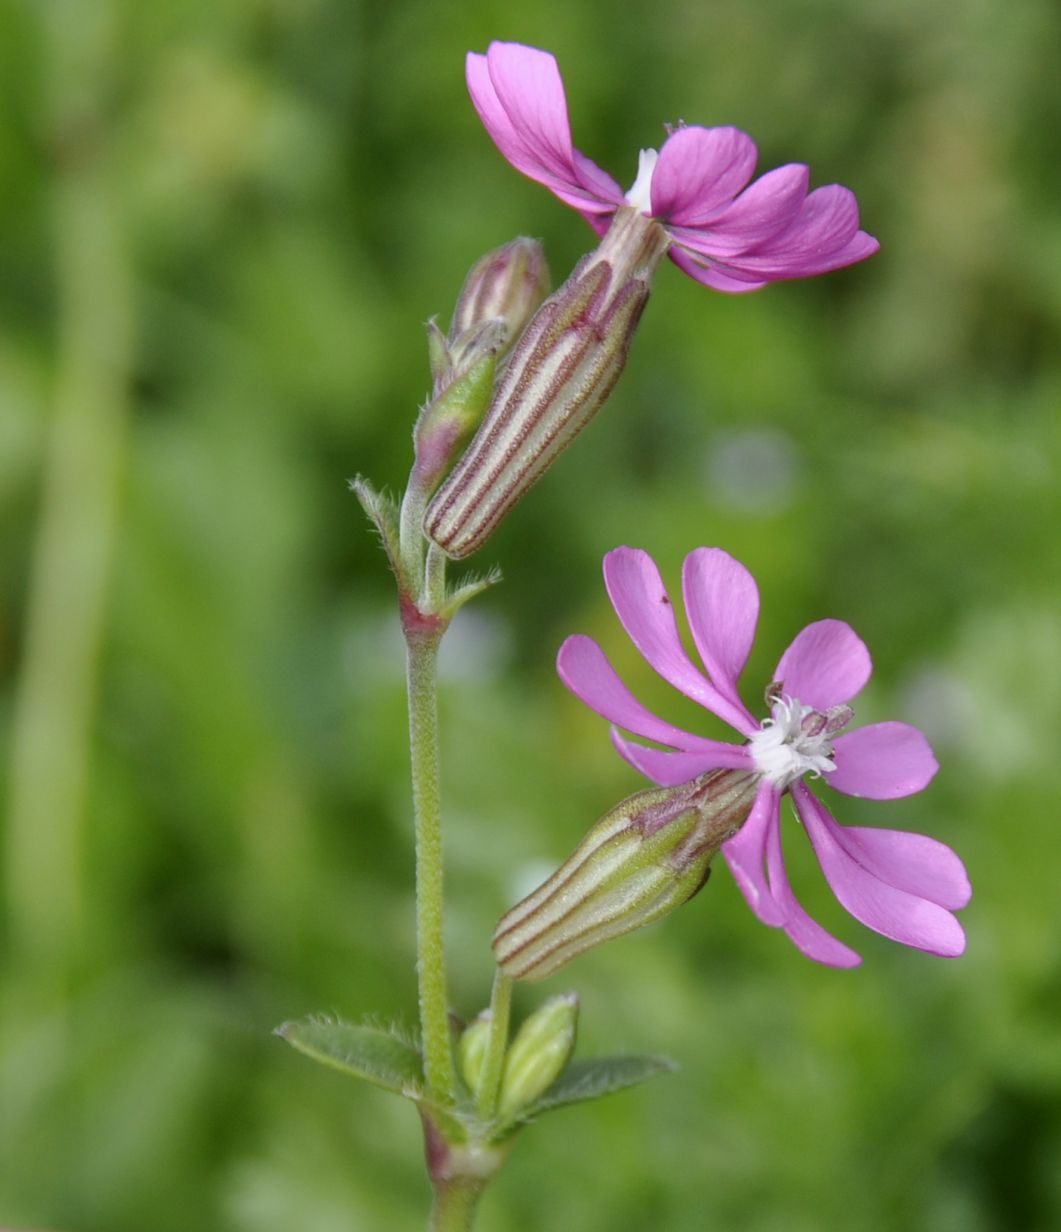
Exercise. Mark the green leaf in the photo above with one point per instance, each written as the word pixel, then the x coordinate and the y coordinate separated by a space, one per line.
pixel 372 1053
pixel 601 1076
pixel 382 511
pixel 467 589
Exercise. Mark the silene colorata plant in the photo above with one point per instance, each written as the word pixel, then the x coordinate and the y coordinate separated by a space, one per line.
pixel 515 378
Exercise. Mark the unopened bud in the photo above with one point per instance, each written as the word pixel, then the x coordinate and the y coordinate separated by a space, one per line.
pixel 562 370
pixel 539 1054
pixel 499 296
pixel 449 419
pixel 471 1050
pixel 506 285
pixel 643 859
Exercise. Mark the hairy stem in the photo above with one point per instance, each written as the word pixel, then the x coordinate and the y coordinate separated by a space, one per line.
pixel 422 682
pixel 455 1203
pixel 410 535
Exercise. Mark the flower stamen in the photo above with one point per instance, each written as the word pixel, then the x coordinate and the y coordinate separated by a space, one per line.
pixel 796 740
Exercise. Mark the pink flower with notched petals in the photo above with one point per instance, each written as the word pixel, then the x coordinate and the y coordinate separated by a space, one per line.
pixel 724 231
pixel 902 885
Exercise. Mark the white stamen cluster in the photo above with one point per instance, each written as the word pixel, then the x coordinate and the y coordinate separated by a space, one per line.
pixel 640 194
pixel 796 740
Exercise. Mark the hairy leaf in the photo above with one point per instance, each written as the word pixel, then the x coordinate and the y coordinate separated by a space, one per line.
pixel 600 1076
pixel 372 1053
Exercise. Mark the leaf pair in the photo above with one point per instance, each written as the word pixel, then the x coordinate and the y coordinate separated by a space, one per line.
pixel 383 1058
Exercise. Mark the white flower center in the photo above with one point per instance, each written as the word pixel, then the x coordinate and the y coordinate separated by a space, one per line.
pixel 796 740
pixel 640 194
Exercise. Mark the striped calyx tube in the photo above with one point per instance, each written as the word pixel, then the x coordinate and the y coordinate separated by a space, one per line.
pixel 643 859
pixel 502 292
pixel 562 370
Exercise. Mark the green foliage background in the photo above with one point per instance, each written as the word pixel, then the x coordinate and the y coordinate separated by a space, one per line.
pixel 221 227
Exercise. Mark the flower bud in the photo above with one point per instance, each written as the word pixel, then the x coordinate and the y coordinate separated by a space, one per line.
pixel 499 296
pixel 506 285
pixel 563 368
pixel 650 854
pixel 539 1054
pixel 471 1050
pixel 449 419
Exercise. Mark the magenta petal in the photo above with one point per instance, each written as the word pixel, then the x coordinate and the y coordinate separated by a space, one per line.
pixel 764 209
pixel 806 935
pixel 711 277
pixel 669 769
pixel 722 604
pixel 519 96
pixel 584 668
pixel 767 206
pixel 861 246
pixel 699 171
pixel 596 180
pixel 642 604
pixel 882 762
pixel 912 862
pixel 745 853
pixel 827 222
pixel 826 665
pixel 825 236
pixel 904 917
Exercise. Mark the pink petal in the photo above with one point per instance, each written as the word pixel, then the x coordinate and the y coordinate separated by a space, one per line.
pixel 669 769
pixel 643 606
pixel 745 851
pixel 892 912
pixel 826 665
pixel 806 934
pixel 768 206
pixel 882 762
pixel 861 246
pixel 912 862
pixel 699 171
pixel 825 236
pixel 711 277
pixel 597 180
pixel 519 96
pixel 827 222
pixel 722 604
pixel 584 668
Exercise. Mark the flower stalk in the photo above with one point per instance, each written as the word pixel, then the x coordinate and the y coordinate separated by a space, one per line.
pixel 422 683
pixel 455 1204
pixel 489 1087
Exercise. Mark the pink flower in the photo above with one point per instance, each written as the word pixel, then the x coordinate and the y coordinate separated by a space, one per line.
pixel 902 885
pixel 724 231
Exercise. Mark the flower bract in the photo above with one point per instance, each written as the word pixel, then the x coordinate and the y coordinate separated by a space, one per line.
pixel 725 230
pixel 904 886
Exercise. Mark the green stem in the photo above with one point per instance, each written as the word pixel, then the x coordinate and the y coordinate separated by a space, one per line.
pixel 496 1044
pixel 455 1203
pixel 410 534
pixel 434 579
pixel 422 681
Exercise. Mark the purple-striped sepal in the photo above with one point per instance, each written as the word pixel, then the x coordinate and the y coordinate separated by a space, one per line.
pixel 650 854
pixel 562 370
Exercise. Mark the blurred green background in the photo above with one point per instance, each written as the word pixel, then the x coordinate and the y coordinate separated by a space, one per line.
pixel 221 228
